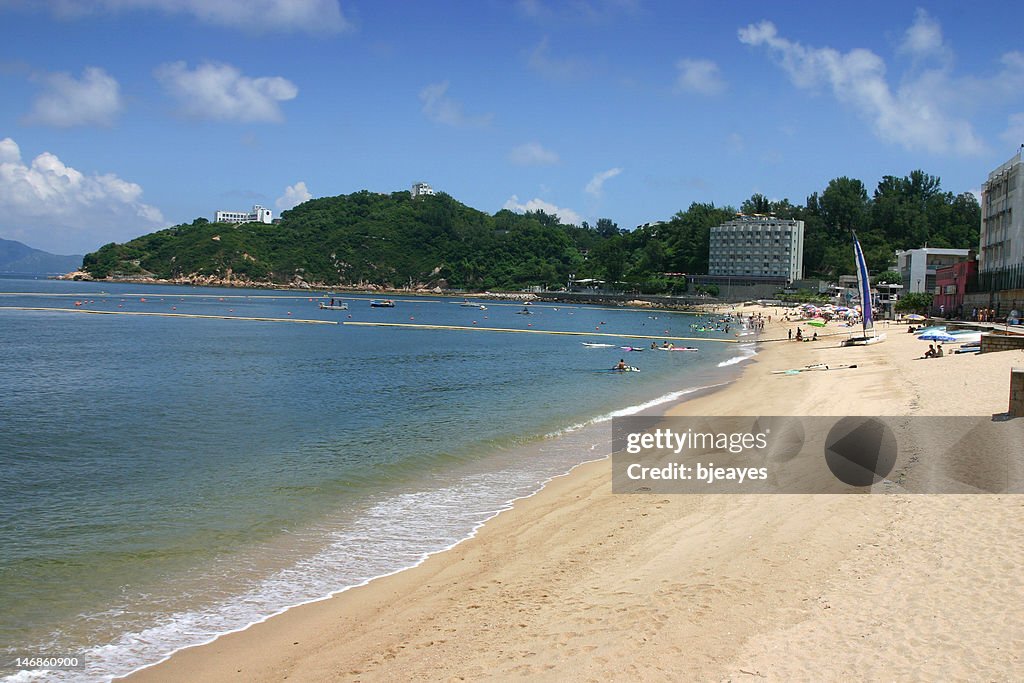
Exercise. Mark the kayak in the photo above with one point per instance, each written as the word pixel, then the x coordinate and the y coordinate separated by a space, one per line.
pixel 595 345
pixel 632 348
pixel 628 368
pixel 678 348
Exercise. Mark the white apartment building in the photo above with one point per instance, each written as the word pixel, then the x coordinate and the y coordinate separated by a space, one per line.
pixel 758 246
pixel 917 266
pixel 259 214
pixel 1002 217
pixel 421 189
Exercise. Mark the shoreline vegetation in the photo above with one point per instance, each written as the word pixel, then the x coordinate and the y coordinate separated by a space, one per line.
pixel 576 583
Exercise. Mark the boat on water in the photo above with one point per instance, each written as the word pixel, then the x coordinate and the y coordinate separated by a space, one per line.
pixel 525 311
pixel 382 303
pixel 677 348
pixel 869 336
pixel 597 345
pixel 334 306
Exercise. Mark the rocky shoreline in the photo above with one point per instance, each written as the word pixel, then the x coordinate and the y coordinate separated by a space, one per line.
pixel 298 284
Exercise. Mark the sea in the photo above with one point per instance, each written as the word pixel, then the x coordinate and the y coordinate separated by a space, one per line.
pixel 168 478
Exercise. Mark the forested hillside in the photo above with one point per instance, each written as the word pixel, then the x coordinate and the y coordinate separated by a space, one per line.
pixel 396 240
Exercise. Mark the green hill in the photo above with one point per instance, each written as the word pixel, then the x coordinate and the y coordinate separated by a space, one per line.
pixel 361 238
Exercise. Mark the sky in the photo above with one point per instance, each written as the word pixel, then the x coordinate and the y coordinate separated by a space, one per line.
pixel 121 117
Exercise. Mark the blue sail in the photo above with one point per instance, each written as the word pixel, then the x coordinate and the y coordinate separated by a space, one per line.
pixel 864 285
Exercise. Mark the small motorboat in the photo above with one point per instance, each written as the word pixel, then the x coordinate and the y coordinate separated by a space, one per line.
pixel 382 303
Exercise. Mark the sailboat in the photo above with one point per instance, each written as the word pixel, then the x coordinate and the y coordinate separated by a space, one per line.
pixel 867 316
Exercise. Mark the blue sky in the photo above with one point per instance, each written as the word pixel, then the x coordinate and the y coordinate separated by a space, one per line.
pixel 119 117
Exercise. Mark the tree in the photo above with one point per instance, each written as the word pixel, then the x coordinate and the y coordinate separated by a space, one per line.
pixel 889 277
pixel 914 302
pixel 606 227
pixel 843 206
pixel 757 203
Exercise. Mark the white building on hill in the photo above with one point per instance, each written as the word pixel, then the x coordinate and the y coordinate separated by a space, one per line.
pixel 421 189
pixel 259 214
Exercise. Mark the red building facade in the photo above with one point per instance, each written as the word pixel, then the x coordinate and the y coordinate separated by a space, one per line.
pixel 950 287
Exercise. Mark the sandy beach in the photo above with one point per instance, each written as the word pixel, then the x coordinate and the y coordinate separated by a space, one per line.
pixel 575 583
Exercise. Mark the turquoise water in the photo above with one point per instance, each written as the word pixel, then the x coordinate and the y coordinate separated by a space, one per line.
pixel 165 480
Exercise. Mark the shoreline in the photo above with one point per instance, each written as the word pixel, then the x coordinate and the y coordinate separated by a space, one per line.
pixel 624 581
pixel 657 406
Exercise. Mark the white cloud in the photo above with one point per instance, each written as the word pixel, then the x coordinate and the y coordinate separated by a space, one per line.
pixel 52 206
pixel 567 216
pixel 1014 133
pixel 924 38
pixel 914 116
pixel 533 154
pixel 94 99
pixel 596 185
pixel 257 16
pixel 293 196
pixel 541 61
pixel 440 108
pixel 590 11
pixel 221 92
pixel 701 76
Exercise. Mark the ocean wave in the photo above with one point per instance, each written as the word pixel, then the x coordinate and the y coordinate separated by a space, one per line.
pixel 748 351
pixel 634 409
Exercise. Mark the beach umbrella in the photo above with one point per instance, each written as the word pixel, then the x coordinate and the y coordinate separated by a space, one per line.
pixel 939 337
pixel 915 317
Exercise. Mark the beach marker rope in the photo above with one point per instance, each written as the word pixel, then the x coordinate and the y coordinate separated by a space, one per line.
pixel 555 332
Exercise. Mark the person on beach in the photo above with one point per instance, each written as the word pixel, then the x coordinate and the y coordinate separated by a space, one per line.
pixel 791 333
pixel 930 353
pixel 938 352
pixel 799 335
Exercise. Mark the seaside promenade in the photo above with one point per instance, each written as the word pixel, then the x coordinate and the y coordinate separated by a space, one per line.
pixel 576 583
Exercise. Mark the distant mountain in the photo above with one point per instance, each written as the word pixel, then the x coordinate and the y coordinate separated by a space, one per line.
pixel 16 257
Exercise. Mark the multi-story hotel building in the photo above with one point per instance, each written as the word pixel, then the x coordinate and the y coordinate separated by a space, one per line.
pixel 1002 217
pixel 755 247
